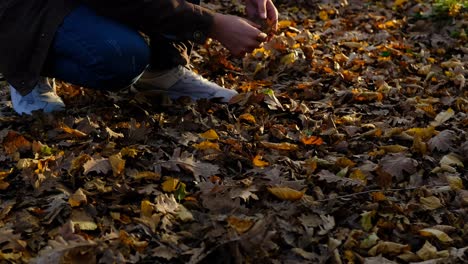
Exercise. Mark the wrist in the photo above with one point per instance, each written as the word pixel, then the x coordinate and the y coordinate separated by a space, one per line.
pixel 215 27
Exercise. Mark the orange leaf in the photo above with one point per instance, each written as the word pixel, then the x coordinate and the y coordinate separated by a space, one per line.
pixel 71 131
pixel 312 140
pixel 240 225
pixel 286 193
pixel 248 118
pixel 15 142
pixel 206 145
pixel 258 162
pixel 210 135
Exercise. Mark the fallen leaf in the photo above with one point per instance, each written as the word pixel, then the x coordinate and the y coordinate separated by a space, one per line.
pixel 258 162
pixel 170 184
pixel 78 198
pixel 430 203
pixel 279 146
pixel 83 220
pixel 312 140
pixel 286 193
pixel 99 165
pixel 442 117
pixel 248 118
pixel 442 141
pixel 207 145
pixel 396 164
pixel 210 135
pixel 117 164
pixel 241 225
pixel 431 232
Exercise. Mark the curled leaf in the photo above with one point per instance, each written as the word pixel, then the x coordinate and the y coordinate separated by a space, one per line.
pixel 258 162
pixel 431 232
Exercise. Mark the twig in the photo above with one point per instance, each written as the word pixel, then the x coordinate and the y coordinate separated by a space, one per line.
pixel 371 191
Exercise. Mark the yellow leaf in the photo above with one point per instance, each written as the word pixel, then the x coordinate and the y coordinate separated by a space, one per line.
pixel 286 193
pixel 455 182
pixel 146 175
pixel 206 145
pixel 240 225
pixel 248 118
pixel 312 140
pixel 399 3
pixel 146 209
pixel 357 174
pixel 394 148
pixel 285 23
pixel 344 162
pixel 419 145
pixel 117 164
pixel 424 133
pixel 210 135
pixel 279 146
pixel 323 15
pixel 431 232
pixel 258 162
pixel 129 152
pixel 170 184
pixel 289 59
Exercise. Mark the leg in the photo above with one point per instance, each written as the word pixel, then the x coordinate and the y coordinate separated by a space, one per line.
pixel 96 52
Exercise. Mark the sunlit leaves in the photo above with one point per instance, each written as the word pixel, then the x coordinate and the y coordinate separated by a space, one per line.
pixel 4 184
pixel 312 140
pixel 258 162
pixel 440 235
pixel 210 135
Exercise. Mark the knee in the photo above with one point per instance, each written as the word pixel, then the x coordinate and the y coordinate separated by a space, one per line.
pixel 126 59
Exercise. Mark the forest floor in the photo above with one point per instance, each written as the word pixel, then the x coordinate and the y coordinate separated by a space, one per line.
pixel 348 143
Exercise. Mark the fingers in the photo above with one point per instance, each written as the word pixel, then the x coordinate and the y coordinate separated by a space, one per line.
pixel 262 8
pixel 272 14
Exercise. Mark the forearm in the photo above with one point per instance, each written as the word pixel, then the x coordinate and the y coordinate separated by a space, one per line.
pixel 178 18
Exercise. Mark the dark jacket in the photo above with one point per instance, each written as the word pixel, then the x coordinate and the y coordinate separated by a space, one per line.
pixel 27 28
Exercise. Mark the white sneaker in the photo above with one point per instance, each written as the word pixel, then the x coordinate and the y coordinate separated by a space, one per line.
pixel 181 81
pixel 42 97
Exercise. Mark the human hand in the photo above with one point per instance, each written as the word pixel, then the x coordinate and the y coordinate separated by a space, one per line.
pixel 263 10
pixel 238 35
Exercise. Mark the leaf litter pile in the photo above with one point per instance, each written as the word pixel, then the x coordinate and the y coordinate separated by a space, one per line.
pixel 348 143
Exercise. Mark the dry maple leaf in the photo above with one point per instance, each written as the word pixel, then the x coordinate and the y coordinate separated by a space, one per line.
pixel 443 141
pixel 396 164
pixel 99 165
pixel 332 178
pixel 61 251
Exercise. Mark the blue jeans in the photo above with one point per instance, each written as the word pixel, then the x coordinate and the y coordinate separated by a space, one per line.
pixel 96 52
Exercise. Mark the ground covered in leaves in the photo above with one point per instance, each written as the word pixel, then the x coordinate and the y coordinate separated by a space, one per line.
pixel 348 143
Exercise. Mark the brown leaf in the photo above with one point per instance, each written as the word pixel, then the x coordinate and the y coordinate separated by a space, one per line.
pixel 279 146
pixel 77 198
pixel 332 178
pixel 99 165
pixel 442 141
pixel 286 193
pixel 15 142
pixel 117 164
pixel 396 164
